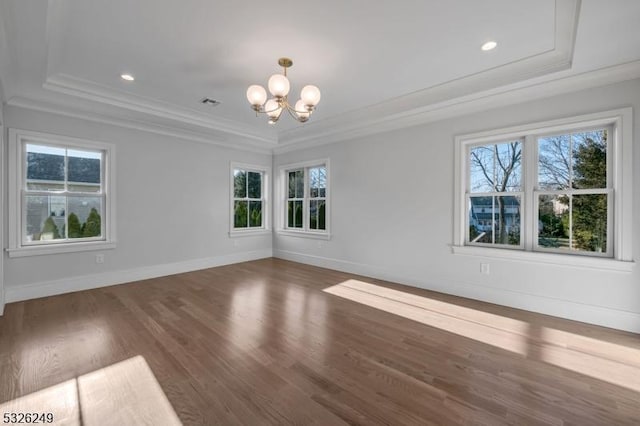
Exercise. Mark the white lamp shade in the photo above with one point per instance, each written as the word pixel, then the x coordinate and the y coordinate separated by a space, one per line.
pixel 310 95
pixel 256 95
pixel 301 109
pixel 272 108
pixel 279 85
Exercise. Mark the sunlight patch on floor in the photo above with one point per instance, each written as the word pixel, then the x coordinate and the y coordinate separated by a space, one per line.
pixel 120 394
pixel 60 400
pixel 615 363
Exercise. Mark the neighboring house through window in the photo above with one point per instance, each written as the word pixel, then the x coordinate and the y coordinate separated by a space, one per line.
pixel 61 190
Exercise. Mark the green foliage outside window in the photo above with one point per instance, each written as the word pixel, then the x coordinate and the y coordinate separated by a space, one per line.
pixel 75 228
pixel 92 227
pixel 50 229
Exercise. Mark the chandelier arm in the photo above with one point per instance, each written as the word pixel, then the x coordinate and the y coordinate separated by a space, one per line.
pixel 262 110
pixel 292 112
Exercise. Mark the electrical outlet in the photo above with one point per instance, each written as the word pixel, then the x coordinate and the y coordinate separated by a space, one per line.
pixel 99 258
pixel 484 268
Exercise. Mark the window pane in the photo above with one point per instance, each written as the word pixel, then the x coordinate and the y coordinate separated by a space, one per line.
pixel 255 185
pixel 255 213
pixel 45 217
pixel 553 221
pixel 317 214
pixel 239 183
pixel 292 185
pixel 577 222
pixel 84 171
pixel 318 182
pixel 496 167
pixel 240 214
pixel 313 182
pixel 590 159
pixel 322 215
pixel 85 219
pixel 589 232
pixel 313 214
pixel 494 220
pixel 294 214
pixel 45 168
pixel 300 184
pixel 554 159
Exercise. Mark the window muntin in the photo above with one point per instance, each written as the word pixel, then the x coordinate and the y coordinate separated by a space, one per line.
pixel 248 199
pixel 62 194
pixel 495 194
pixel 573 193
pixel 305 198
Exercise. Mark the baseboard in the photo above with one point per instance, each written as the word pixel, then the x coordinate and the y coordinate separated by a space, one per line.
pixel 86 282
pixel 598 315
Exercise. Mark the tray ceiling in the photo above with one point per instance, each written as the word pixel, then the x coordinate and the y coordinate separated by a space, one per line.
pixel 371 60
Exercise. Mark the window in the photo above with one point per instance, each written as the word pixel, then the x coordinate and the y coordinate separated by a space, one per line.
pixel 305 200
pixel 248 199
pixel 60 190
pixel 556 187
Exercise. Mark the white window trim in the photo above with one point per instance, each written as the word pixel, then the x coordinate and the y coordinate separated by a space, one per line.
pixel 622 181
pixel 281 196
pixel 17 138
pixel 265 229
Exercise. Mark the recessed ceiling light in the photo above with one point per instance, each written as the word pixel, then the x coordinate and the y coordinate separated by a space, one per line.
pixel 127 77
pixel 490 45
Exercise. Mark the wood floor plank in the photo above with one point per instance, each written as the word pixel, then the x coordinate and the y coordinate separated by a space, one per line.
pixel 276 342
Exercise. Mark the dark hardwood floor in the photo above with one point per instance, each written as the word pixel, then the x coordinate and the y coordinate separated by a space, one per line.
pixel 262 343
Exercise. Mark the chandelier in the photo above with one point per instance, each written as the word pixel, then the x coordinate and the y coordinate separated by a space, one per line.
pixel 279 88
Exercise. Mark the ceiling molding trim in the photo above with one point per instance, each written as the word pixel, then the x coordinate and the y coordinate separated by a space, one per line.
pixel 38 105
pixel 73 86
pixel 490 99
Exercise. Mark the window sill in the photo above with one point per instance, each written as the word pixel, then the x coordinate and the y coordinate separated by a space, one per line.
pixel 305 234
pixel 60 248
pixel 598 263
pixel 249 233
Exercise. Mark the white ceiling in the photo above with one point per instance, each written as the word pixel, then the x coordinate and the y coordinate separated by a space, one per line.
pixel 360 53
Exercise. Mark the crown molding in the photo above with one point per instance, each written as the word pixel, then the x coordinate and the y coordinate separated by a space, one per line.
pixel 213 139
pixel 84 89
pixel 350 128
pixel 494 98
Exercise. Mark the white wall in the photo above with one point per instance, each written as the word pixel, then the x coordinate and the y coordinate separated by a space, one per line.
pixel 392 217
pixel 172 211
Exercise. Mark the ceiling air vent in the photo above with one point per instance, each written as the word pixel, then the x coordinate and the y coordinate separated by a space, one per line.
pixel 210 102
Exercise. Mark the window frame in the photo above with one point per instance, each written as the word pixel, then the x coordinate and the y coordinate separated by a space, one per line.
pixel 266 208
pixel 619 182
pixel 282 196
pixel 18 139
